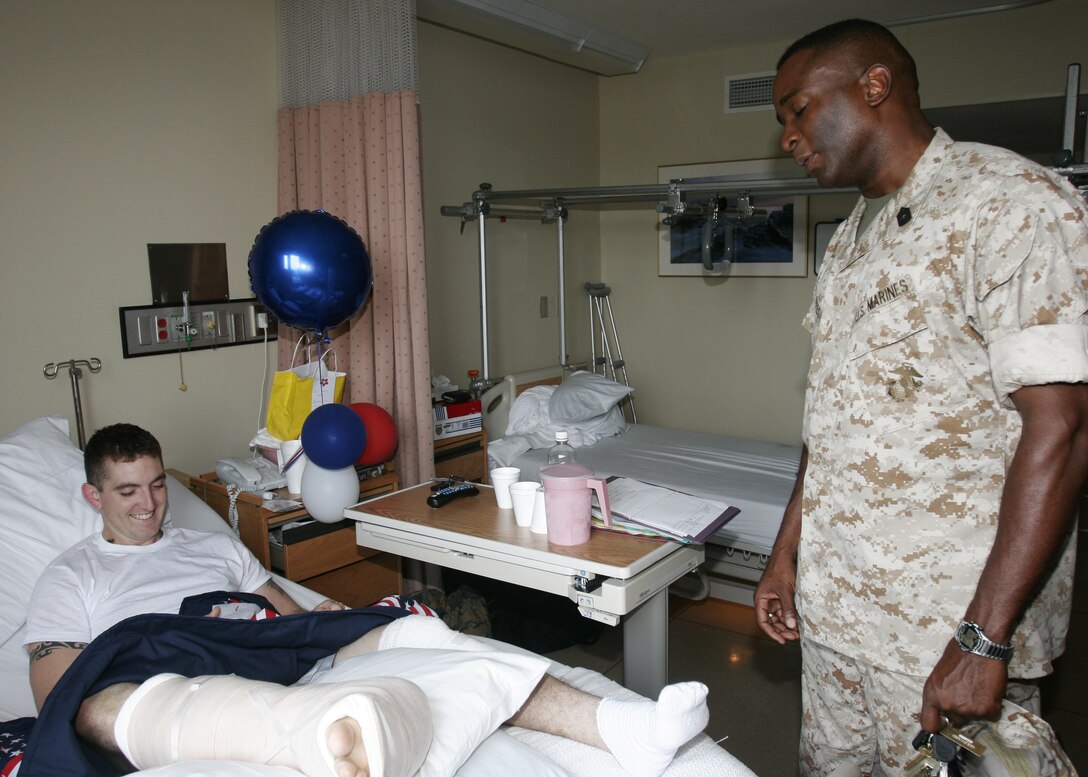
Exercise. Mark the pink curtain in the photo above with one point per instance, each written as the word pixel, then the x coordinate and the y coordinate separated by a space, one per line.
pixel 360 161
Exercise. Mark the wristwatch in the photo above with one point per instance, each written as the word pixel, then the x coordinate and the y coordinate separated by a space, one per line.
pixel 971 640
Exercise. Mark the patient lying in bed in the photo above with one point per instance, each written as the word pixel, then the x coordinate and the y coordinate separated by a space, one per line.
pixel 339 719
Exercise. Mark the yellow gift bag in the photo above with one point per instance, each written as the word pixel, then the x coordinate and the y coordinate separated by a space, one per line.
pixel 297 391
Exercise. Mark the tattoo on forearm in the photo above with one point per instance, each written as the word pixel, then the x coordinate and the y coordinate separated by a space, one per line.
pixel 43 649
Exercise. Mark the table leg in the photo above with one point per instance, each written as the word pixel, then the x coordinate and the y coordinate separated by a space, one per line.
pixel 646 646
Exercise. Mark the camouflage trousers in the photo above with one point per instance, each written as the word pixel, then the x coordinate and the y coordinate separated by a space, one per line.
pixel 854 713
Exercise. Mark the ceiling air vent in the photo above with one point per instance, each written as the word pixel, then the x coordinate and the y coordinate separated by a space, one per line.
pixel 750 92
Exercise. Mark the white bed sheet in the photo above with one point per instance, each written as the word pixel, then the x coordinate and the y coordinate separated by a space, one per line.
pixel 753 475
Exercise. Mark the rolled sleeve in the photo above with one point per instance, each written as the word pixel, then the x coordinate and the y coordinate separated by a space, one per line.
pixel 1056 353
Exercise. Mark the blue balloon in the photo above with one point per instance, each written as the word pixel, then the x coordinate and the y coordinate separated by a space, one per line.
pixel 333 436
pixel 310 270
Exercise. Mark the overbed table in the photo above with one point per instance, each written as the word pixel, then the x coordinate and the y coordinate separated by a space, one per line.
pixel 612 578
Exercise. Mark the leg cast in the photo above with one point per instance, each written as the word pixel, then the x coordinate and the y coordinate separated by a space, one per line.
pixel 379 727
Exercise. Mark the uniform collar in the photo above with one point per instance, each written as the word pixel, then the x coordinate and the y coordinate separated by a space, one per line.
pixel 903 208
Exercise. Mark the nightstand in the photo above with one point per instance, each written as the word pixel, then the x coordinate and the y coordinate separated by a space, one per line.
pixel 322 557
pixel 463 456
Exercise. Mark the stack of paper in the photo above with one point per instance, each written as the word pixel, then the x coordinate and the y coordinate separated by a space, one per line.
pixel 648 510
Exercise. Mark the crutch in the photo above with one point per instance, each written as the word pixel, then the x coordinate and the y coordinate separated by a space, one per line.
pixel 600 303
pixel 594 360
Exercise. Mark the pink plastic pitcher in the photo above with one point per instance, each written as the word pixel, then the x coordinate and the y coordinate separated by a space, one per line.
pixel 568 489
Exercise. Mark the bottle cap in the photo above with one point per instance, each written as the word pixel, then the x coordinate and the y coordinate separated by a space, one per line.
pixel 561 436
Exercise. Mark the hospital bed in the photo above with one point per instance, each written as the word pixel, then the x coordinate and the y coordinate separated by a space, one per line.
pixel 753 475
pixel 42 512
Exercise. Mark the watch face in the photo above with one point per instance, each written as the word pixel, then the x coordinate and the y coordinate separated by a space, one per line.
pixel 968 637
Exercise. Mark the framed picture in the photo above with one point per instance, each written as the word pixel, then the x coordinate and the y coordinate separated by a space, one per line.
pixel 770 243
pixel 822 233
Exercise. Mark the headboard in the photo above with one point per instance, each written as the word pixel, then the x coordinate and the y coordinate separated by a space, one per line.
pixel 498 399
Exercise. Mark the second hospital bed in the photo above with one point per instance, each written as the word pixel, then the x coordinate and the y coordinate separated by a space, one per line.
pixel 755 476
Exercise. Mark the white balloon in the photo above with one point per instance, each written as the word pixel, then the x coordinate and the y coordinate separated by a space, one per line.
pixel 326 492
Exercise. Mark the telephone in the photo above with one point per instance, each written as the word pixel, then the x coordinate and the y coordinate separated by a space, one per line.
pixel 256 474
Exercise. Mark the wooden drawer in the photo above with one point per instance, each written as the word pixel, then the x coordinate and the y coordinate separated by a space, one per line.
pixel 320 554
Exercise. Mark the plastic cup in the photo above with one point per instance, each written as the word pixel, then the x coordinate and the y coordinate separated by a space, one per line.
pixel 523 496
pixel 288 449
pixel 502 478
pixel 540 515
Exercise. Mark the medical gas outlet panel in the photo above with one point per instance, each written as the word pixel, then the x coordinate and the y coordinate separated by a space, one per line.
pixel 147 330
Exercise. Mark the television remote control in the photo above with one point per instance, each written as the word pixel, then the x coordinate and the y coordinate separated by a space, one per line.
pixel 444 495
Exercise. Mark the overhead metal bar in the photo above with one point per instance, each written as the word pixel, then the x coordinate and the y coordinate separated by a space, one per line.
pixel 652 191
pixel 469 211
pixel 550 205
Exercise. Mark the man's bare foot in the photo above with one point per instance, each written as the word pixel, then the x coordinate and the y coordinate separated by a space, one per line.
pixel 345 741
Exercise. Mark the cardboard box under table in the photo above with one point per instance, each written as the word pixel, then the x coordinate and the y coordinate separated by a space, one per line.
pixel 612 578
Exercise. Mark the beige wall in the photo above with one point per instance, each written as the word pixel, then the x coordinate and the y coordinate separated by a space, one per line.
pixel 730 356
pixel 491 114
pixel 128 122
pixel 136 121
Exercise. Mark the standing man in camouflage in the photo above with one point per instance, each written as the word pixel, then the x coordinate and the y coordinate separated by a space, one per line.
pixel 925 559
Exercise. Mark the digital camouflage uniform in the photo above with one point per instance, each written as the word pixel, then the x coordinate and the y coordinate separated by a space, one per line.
pixel 972 282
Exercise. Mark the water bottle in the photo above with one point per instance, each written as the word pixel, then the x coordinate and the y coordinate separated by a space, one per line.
pixel 561 452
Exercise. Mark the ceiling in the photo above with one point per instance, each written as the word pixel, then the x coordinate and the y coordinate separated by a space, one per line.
pixel 678 26
pixel 666 27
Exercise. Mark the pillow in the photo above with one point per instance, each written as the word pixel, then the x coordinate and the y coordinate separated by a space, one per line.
pixel 16 700
pixel 186 510
pixel 470 693
pixel 43 511
pixel 585 395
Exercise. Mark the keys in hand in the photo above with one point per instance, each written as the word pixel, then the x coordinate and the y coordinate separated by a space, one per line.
pixel 939 754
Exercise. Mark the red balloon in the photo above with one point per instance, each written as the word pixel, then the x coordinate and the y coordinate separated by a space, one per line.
pixel 381 433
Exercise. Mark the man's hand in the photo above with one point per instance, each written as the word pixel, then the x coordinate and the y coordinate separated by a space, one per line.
pixel 775 610
pixel 962 687
pixel 330 605
pixel 215 613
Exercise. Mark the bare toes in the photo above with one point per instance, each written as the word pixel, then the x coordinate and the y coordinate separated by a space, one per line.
pixel 344 739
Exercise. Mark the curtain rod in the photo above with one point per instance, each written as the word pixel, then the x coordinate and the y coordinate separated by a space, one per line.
pixel 667 193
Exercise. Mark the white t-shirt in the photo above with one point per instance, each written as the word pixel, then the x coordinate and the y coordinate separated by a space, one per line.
pixel 96 584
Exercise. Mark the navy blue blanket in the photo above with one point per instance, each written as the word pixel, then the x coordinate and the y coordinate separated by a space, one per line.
pixel 280 650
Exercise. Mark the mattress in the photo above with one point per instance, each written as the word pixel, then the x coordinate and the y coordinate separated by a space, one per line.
pixel 753 475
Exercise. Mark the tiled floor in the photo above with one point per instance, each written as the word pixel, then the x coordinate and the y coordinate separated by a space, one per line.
pixel 754 688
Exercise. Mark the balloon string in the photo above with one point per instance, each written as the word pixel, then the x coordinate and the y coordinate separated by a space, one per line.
pixel 294 457
pixel 320 364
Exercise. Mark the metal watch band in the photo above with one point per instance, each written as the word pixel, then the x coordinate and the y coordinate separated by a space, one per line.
pixel 972 639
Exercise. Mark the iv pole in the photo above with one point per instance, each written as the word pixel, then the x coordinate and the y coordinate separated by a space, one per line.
pixel 75 373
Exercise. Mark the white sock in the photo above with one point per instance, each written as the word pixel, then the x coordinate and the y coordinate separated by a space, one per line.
pixel 424 631
pixel 224 717
pixel 644 735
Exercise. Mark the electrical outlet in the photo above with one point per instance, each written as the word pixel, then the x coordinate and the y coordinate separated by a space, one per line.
pixel 147 330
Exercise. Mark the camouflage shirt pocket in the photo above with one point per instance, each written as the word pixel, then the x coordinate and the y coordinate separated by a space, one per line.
pixel 901 372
